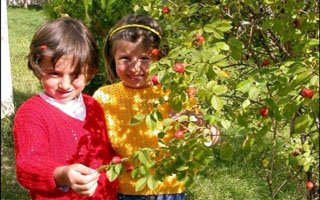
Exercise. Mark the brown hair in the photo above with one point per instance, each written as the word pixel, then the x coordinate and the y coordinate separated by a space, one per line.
pixel 64 36
pixel 133 34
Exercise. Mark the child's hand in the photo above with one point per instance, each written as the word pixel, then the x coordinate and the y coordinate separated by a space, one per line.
pixel 81 179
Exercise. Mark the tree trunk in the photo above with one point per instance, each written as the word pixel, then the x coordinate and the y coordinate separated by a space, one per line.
pixel 7 107
pixel 25 3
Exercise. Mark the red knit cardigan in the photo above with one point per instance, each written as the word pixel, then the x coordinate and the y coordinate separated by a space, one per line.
pixel 45 138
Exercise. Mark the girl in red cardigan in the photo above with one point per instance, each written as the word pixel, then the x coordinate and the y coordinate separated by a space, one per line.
pixel 60 134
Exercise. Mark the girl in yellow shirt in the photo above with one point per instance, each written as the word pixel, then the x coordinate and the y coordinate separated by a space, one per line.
pixel 130 48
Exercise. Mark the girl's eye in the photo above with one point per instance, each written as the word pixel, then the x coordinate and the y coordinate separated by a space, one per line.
pixel 53 74
pixel 74 76
pixel 145 58
pixel 124 58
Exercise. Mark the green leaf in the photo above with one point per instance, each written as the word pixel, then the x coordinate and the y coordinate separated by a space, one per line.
pixel 182 168
pixel 290 109
pixel 143 157
pixel 111 174
pixel 253 92
pixel 176 104
pixel 143 170
pixel 141 183
pixel 219 89
pixel 167 122
pixel 209 28
pixel 157 115
pixel 313 42
pixel 302 123
pixel 235 44
pixel 222 46
pixel 136 119
pixel 117 168
pixel 236 54
pixel 188 181
pixel 151 122
pixel 218 34
pixel 183 118
pixel 216 102
pixel 214 59
pixel 135 173
pixel 224 26
pixel 245 103
pixel 152 183
pixel 225 124
pixel 244 86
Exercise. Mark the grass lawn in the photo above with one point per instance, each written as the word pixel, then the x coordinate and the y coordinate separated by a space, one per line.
pixel 224 181
pixel 22 25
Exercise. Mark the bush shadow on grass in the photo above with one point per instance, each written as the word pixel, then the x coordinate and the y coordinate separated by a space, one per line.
pixel 10 188
pixel 30 7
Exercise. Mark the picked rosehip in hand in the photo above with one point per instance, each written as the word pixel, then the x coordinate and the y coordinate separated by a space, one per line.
pixel 129 168
pixel 308 93
pixel 116 159
pixel 179 67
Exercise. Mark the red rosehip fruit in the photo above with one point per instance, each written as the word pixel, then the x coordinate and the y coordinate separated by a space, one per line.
pixel 155 79
pixel 295 152
pixel 165 10
pixel 192 91
pixel 155 52
pixel 179 133
pixel 264 112
pixel 129 168
pixel 308 93
pixel 296 23
pixel 309 185
pixel 200 39
pixel 179 67
pixel 265 62
pixel 116 159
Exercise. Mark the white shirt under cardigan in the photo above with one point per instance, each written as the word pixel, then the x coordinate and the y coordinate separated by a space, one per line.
pixel 74 108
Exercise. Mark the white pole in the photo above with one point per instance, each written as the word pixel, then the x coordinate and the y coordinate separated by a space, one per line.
pixel 7 107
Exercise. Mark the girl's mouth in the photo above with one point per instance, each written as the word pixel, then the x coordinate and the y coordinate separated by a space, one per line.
pixel 65 92
pixel 136 77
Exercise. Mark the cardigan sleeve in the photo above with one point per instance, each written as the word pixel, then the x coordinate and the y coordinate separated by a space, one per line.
pixel 34 166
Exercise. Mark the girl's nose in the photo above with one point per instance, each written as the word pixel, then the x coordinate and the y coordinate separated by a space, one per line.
pixel 65 83
pixel 136 66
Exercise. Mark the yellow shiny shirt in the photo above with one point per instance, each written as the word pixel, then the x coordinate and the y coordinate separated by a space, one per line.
pixel 120 104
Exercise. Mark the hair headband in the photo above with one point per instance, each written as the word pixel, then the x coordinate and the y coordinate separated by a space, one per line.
pixel 135 26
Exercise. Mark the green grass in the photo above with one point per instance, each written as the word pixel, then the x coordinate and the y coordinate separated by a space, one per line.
pixel 22 25
pixel 225 180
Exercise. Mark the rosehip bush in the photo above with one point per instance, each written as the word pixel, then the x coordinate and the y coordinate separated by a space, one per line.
pixel 254 55
pixel 251 54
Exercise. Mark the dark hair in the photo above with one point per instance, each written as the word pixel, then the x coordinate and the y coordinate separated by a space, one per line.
pixel 64 36
pixel 133 34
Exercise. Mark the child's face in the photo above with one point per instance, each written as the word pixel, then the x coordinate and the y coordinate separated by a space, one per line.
pixel 132 63
pixel 60 82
